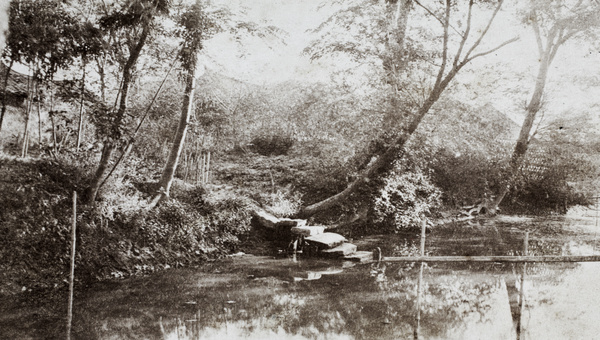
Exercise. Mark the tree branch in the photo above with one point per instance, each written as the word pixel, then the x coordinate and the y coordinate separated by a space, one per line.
pixel 538 35
pixel 465 35
pixel 436 17
pixel 440 75
pixel 484 32
pixel 490 51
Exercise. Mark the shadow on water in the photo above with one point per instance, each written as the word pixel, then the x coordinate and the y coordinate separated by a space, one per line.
pixel 252 297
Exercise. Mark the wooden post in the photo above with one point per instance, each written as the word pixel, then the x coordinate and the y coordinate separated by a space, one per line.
pixel 72 276
pixel 207 166
pixel 203 167
pixel 423 231
pixel 597 207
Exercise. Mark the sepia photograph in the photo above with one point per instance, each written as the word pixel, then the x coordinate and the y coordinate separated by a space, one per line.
pixel 300 169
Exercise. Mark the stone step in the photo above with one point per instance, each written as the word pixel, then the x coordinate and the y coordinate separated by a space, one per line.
pixel 343 249
pixel 290 223
pixel 267 220
pixel 326 240
pixel 308 230
pixel 360 256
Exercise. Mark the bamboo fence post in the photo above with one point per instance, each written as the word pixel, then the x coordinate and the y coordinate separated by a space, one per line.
pixel 72 275
pixel 187 165
pixel 208 168
pixel 203 168
pixel 597 207
pixel 197 172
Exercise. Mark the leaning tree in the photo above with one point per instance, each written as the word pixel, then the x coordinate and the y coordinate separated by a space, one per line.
pixel 457 48
pixel 553 24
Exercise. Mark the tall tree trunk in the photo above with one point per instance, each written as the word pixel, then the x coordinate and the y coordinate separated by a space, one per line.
pixel 92 190
pixel 51 114
pixel 81 112
pixel 5 85
pixel 109 147
pixel 186 111
pixel 532 109
pixel 396 41
pixel 30 85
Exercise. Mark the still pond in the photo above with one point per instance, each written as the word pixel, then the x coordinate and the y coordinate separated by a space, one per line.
pixel 262 297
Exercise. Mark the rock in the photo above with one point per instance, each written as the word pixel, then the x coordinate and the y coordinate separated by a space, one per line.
pixel 326 240
pixel 290 223
pixel 265 219
pixel 343 249
pixel 360 256
pixel 308 230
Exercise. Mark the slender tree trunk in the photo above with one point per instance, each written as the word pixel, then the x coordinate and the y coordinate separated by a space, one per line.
pixel 30 85
pixel 81 112
pixel 396 41
pixel 51 114
pixel 523 140
pixel 39 114
pixel 92 190
pixel 5 85
pixel 102 75
pixel 109 147
pixel 186 111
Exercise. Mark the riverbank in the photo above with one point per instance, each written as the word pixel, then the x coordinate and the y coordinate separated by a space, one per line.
pixel 116 238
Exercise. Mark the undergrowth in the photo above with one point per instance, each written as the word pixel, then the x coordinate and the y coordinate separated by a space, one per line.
pixel 116 238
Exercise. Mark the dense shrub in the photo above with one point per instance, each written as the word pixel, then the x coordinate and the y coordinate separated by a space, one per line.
pixel 405 200
pixel 273 145
pixel 465 177
pixel 549 193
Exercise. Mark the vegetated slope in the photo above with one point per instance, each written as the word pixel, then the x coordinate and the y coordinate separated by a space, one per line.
pixel 460 128
pixel 118 237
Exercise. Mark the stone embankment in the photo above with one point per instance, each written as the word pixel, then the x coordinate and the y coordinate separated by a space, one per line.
pixel 311 240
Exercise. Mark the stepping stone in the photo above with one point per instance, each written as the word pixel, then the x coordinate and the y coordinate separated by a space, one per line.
pixel 290 223
pixel 265 219
pixel 326 240
pixel 308 230
pixel 360 256
pixel 343 249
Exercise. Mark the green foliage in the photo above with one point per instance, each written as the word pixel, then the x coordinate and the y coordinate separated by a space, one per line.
pixel 404 200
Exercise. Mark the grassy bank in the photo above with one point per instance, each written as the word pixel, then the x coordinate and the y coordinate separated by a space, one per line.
pixel 117 237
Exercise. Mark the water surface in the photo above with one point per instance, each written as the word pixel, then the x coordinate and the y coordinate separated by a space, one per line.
pixel 260 297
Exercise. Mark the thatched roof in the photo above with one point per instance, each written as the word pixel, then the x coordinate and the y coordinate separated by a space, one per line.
pixel 17 82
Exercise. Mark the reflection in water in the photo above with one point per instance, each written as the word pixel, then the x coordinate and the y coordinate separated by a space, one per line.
pixel 265 298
